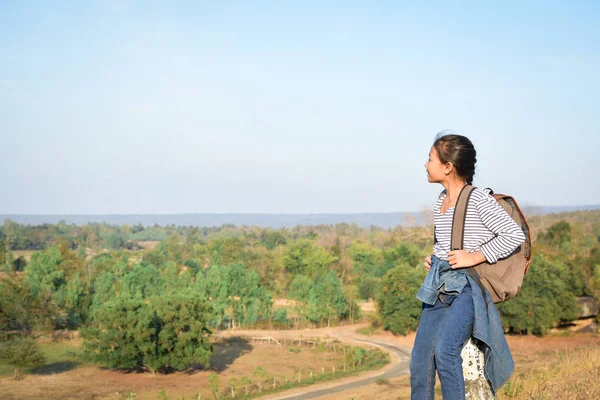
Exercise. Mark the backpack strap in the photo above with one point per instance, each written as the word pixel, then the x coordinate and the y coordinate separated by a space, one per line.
pixel 458 232
pixel 434 236
pixel 459 217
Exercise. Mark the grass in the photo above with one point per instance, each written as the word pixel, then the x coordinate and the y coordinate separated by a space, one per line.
pixel 563 375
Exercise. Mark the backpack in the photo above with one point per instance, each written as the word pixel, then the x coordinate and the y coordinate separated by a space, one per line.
pixel 504 278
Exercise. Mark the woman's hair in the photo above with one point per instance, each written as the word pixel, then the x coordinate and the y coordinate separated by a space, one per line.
pixel 459 151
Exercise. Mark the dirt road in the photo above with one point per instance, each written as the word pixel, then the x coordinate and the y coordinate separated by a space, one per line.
pixel 399 357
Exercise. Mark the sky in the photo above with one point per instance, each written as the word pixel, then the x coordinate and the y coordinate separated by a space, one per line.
pixel 153 107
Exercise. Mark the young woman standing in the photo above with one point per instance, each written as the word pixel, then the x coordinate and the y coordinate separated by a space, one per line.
pixel 454 307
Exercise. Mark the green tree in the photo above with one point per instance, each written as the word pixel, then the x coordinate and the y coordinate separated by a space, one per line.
pixel 218 291
pixel 20 310
pixel 114 241
pixel 19 264
pixel 21 353
pixel 192 265
pixel 272 239
pixel 558 235
pixel 405 253
pixel 305 258
pixel 327 299
pixel 3 252
pixel 300 294
pixel 142 281
pixel 396 299
pixel 44 273
pixel 157 333
pixel 227 251
pixel 545 299
pixel 75 299
pixel 247 298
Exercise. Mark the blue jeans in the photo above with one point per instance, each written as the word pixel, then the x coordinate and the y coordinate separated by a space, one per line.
pixel 443 330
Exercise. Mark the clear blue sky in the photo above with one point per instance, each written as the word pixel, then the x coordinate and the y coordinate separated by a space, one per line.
pixel 291 107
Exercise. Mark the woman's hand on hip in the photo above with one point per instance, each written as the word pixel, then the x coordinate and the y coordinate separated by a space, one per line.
pixel 463 259
pixel 427 263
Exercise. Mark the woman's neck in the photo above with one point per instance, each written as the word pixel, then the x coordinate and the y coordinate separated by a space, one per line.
pixel 453 189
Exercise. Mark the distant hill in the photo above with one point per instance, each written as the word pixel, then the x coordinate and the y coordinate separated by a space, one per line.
pixel 542 210
pixel 384 220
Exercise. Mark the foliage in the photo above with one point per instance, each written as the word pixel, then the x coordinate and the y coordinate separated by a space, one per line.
pixel 323 269
pixel 304 258
pixel 20 310
pixel 21 353
pixel 397 300
pixel 544 299
pixel 156 334
pixel 44 272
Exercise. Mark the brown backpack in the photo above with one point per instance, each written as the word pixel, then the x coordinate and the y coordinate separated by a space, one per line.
pixel 504 278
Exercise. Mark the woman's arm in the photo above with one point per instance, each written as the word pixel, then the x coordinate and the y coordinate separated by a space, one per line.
pixel 508 235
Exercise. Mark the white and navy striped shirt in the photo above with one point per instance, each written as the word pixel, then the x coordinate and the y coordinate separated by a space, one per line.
pixel 487 228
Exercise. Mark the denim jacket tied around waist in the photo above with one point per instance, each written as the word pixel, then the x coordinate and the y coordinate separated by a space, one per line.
pixel 487 327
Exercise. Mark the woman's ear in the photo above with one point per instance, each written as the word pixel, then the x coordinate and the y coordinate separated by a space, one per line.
pixel 448 167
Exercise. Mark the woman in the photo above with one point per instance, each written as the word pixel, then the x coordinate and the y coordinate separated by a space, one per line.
pixel 454 307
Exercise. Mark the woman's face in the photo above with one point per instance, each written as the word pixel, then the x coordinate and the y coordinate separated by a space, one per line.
pixel 436 171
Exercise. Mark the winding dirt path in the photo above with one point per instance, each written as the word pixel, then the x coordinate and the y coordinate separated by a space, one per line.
pixel 399 360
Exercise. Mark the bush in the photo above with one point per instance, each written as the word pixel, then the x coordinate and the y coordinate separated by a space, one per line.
pixel 21 353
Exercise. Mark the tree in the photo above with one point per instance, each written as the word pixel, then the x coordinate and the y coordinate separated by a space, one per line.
pixel 227 251
pixel 44 273
pixel 20 310
pixel 300 293
pixel 396 299
pixel 305 258
pixel 155 334
pixel 272 239
pixel 21 353
pixel 192 265
pixel 75 299
pixel 144 280
pixel 327 299
pixel 408 254
pixel 558 235
pixel 217 288
pixel 114 241
pixel 247 297
pixel 545 299
pixel 3 252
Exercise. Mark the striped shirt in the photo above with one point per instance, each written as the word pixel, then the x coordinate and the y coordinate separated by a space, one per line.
pixel 488 228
